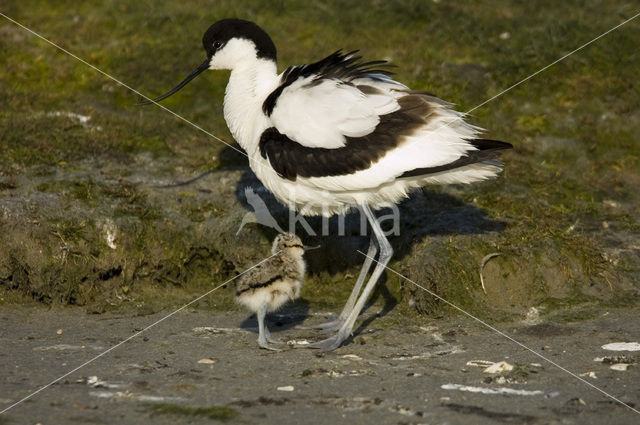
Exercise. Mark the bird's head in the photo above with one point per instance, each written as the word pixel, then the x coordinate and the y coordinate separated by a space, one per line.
pixel 228 44
pixel 287 243
pixel 290 244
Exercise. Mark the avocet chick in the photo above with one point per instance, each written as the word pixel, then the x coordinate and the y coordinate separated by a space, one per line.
pixel 269 285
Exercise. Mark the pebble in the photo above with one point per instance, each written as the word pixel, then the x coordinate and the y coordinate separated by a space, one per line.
pixel 59 331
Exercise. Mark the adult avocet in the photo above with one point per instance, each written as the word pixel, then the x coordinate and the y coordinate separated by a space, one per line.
pixel 337 134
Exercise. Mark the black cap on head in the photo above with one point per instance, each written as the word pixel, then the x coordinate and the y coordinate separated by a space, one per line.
pixel 224 30
pixel 216 37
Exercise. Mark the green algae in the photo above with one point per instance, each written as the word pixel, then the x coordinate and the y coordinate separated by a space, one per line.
pixel 217 413
pixel 566 199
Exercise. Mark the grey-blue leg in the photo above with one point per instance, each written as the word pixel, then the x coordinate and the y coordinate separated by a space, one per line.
pixel 335 323
pixel 385 255
pixel 263 332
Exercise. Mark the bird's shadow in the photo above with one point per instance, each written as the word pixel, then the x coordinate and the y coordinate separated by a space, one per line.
pixel 287 317
pixel 425 213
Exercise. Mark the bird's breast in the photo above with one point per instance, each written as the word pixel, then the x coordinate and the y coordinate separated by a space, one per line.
pixel 245 93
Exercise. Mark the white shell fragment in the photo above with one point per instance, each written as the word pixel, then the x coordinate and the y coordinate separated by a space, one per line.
pixel 484 390
pixel 499 367
pixel 351 357
pixel 288 388
pixel 620 366
pixel 298 342
pixel 206 360
pixel 480 363
pixel 622 346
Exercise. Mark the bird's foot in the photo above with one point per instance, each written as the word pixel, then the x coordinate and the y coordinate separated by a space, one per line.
pixel 331 325
pixel 328 344
pixel 270 338
pixel 267 346
pixel 274 340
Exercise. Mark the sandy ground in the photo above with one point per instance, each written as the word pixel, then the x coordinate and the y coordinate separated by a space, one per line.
pixel 199 367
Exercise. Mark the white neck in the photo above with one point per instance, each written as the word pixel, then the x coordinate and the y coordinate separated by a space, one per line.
pixel 249 85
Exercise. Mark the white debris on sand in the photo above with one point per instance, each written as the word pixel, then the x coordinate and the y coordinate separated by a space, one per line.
pixel 532 317
pixel 499 367
pixel 210 330
pixel 95 382
pixel 295 342
pixel 288 388
pixel 480 363
pixel 351 357
pixel 620 366
pixel 60 347
pixel 622 346
pixel 206 360
pixel 492 391
pixel 127 395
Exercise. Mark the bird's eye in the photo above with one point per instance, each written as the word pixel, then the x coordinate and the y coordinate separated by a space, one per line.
pixel 217 44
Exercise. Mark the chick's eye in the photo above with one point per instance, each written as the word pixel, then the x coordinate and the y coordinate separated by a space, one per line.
pixel 217 45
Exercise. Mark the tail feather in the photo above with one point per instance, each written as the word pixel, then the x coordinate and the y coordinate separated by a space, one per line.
pixel 487 150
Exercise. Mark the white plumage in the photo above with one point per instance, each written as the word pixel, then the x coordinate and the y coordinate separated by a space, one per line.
pixel 338 133
pixel 329 111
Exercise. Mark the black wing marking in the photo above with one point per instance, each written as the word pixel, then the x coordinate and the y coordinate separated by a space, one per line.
pixel 256 285
pixel 338 66
pixel 291 159
pixel 487 150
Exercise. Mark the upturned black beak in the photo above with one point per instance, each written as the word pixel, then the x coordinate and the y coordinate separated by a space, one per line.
pixel 200 69
pixel 310 248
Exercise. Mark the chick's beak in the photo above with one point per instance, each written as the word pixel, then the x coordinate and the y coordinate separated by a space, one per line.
pixel 200 69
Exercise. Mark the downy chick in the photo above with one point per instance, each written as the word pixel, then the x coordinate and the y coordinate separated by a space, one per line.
pixel 271 284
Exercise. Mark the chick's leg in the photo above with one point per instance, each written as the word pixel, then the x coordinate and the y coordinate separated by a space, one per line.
pixel 263 333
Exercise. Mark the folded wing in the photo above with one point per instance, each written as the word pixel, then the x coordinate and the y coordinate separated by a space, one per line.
pixel 337 118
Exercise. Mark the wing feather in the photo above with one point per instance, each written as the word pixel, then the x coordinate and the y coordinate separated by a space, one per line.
pixel 319 105
pixel 342 125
